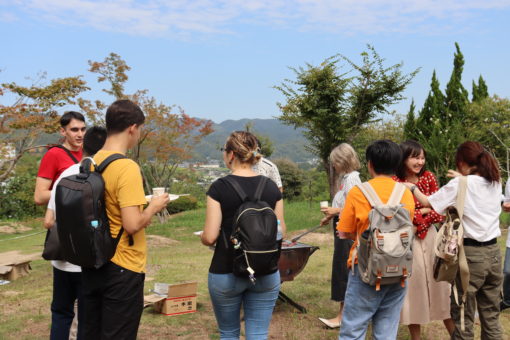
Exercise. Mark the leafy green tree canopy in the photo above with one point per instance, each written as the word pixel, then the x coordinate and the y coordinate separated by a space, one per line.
pixel 332 106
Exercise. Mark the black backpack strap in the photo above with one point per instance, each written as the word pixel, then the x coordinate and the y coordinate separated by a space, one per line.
pixel 260 188
pixel 100 168
pixel 119 235
pixel 240 192
pixel 67 151
pixel 237 188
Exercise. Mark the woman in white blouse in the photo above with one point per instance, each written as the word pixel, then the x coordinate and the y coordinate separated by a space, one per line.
pixel 482 208
pixel 344 161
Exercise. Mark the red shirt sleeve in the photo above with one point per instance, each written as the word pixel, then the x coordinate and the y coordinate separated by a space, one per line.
pixel 48 166
pixel 54 162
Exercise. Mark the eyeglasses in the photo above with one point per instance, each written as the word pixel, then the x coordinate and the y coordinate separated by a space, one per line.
pixel 222 149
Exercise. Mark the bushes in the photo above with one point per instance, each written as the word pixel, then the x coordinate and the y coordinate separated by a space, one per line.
pixel 183 203
pixel 17 192
pixel 292 178
pixel 18 198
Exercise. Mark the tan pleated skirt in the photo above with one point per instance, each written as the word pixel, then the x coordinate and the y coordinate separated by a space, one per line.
pixel 426 300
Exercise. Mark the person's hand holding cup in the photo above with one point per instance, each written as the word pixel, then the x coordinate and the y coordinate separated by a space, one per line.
pixel 324 206
pixel 159 199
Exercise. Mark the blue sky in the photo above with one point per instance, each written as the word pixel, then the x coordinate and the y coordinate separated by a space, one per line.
pixel 219 59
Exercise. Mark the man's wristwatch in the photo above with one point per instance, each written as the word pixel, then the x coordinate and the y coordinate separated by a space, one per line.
pixel 413 188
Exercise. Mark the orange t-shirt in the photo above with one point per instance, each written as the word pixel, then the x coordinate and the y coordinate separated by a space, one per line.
pixel 354 218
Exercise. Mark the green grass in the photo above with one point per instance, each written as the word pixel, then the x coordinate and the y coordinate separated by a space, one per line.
pixel 25 307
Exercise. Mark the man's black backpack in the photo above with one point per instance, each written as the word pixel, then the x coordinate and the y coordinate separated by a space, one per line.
pixel 83 226
pixel 256 250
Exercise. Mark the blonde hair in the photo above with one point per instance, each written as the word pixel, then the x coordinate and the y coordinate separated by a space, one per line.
pixel 345 158
pixel 245 147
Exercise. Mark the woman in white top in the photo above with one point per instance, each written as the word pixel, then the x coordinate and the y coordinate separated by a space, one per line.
pixel 482 208
pixel 344 162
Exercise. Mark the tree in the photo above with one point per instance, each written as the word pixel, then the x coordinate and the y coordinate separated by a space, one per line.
pixel 332 107
pixel 34 110
pixel 167 137
pixel 443 121
pixel 113 71
pixel 433 109
pixel 266 143
pixel 292 177
pixel 410 124
pixel 488 122
pixel 315 186
pixel 480 91
pixel 456 95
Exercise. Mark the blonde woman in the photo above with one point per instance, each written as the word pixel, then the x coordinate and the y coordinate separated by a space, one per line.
pixel 229 292
pixel 344 161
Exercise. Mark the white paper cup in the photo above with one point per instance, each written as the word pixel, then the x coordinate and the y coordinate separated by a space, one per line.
pixel 324 204
pixel 158 191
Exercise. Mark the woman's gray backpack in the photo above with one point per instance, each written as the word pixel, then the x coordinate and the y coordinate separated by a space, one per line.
pixel 384 250
pixel 256 249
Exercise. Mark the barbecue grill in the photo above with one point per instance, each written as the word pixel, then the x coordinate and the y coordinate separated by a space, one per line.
pixel 293 259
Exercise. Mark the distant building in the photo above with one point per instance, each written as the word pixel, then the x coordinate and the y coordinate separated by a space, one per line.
pixel 209 166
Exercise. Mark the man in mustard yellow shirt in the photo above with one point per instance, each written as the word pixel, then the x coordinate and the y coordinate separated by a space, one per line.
pixel 363 303
pixel 113 294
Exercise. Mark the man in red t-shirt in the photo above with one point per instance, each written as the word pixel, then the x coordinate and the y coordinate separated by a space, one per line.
pixel 57 159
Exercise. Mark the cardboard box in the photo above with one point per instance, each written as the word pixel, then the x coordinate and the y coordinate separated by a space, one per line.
pixel 14 265
pixel 174 299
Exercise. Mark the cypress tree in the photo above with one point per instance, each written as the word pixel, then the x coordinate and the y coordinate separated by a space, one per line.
pixel 433 109
pixel 410 131
pixel 480 91
pixel 456 95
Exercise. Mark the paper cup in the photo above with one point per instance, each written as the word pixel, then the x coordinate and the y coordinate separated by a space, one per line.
pixel 324 204
pixel 158 191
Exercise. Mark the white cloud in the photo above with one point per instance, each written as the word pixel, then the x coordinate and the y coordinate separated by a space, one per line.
pixel 183 17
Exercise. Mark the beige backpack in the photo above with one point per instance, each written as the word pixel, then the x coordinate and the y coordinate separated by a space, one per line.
pixel 450 263
pixel 384 250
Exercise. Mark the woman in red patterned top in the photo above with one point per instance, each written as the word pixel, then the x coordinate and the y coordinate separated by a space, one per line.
pixel 426 299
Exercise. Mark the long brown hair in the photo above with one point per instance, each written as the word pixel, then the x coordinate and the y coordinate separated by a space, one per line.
pixel 479 159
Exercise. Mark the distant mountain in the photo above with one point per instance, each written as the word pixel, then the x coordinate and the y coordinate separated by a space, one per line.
pixel 287 141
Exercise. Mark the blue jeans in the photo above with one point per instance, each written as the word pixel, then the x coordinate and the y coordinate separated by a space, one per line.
pixel 67 287
pixel 228 292
pixel 506 278
pixel 363 303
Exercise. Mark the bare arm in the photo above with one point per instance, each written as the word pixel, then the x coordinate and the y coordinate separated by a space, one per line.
pixel 421 197
pixel 212 222
pixel 42 191
pixel 49 219
pixel 278 210
pixel 134 220
pixel 330 212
